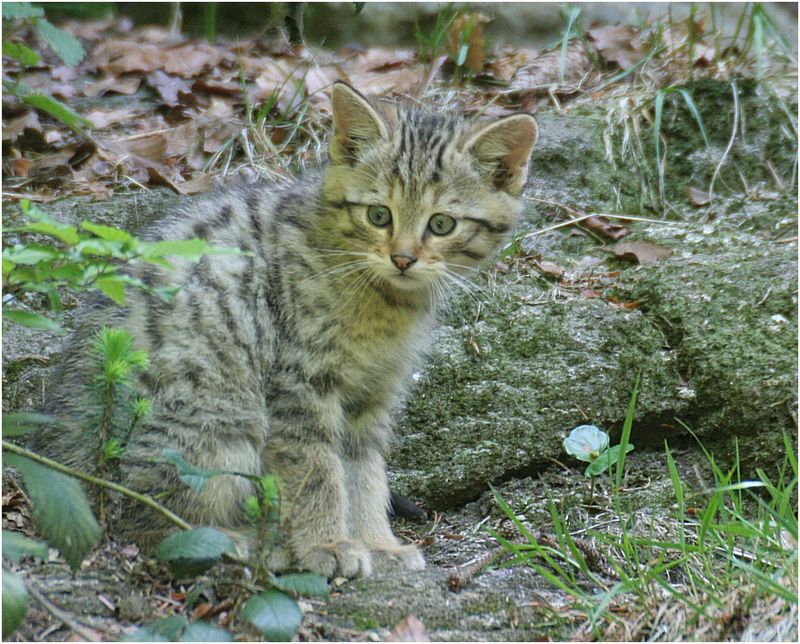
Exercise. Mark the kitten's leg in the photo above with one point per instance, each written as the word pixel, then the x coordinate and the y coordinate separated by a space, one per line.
pixel 315 508
pixel 369 504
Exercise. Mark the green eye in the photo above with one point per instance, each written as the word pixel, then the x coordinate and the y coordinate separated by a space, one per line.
pixel 441 224
pixel 379 216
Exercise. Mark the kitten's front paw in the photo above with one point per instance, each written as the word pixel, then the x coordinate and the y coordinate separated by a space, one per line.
pixel 341 559
pixel 397 558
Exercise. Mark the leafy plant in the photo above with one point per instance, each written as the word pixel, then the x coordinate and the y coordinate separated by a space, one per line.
pixel 432 44
pixel 64 45
pixel 590 444
pixel 93 256
pixel 734 538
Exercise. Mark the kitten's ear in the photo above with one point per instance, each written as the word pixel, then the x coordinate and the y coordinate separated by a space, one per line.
pixel 504 148
pixel 355 124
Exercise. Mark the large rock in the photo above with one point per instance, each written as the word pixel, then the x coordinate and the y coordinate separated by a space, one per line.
pixel 712 329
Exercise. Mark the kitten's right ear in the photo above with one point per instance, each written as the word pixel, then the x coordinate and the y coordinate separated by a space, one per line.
pixel 356 124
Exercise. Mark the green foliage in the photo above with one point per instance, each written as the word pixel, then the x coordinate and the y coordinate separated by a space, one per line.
pixel 273 613
pixel 21 52
pixel 21 10
pixel 737 534
pixel 177 629
pixel 84 259
pixel 301 584
pixel 167 629
pixel 16 546
pixel 432 44
pixel 15 595
pixel 61 509
pixel 21 423
pixel 571 14
pixel 192 552
pixel 204 632
pixel 590 444
pixel 64 45
pixel 192 476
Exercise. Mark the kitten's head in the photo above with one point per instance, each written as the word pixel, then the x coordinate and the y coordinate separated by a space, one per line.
pixel 420 196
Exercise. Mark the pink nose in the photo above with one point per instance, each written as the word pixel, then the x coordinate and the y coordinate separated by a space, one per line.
pixel 403 261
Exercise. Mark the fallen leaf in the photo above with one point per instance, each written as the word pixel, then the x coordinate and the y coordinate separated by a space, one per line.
pixel 697 197
pixel 605 228
pixel 618 44
pixel 168 87
pixel 467 31
pixel 103 118
pixel 409 629
pixel 20 167
pixel 550 268
pixel 124 85
pixel 16 126
pixel 544 72
pixel 203 183
pixel 508 62
pixel 641 252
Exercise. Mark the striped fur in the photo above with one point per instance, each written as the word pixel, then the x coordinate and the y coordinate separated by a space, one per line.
pixel 290 359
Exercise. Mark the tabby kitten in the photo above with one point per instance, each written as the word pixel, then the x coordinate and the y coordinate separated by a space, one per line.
pixel 290 359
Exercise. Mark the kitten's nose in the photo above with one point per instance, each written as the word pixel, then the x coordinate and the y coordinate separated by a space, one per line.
pixel 403 261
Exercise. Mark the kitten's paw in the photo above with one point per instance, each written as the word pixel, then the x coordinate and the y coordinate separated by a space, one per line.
pixel 341 559
pixel 397 558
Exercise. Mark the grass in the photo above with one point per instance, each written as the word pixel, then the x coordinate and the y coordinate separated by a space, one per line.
pixel 720 562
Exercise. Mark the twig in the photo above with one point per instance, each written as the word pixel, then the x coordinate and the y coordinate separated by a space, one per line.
pixel 146 500
pixel 85 632
pixel 458 580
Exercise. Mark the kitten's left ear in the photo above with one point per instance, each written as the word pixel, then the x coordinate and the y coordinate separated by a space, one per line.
pixel 504 149
pixel 356 124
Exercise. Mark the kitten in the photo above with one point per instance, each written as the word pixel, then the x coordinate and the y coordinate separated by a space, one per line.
pixel 289 359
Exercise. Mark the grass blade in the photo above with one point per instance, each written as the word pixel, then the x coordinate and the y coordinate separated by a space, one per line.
pixel 626 432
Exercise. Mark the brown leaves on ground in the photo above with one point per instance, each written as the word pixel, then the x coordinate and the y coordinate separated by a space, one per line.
pixel 642 252
pixel 619 44
pixel 188 100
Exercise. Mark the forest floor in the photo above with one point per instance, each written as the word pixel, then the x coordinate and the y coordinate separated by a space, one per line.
pixel 147 108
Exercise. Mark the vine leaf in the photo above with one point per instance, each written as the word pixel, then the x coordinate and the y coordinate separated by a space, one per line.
pixel 15 602
pixel 273 613
pixel 192 552
pixel 61 509
pixel 305 583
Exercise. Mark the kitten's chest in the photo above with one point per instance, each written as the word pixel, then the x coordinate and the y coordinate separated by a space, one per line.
pixel 378 351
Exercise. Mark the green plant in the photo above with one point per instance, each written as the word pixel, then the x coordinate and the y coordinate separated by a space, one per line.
pixel 93 256
pixel 729 547
pixel 64 45
pixel 117 363
pixel 590 444
pixel 432 44
pixel 570 14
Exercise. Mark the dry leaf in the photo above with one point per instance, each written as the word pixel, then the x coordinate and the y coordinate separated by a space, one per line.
pixel 606 228
pixel 16 126
pixel 168 87
pixel 409 629
pixel 508 62
pixel 103 118
pixel 550 268
pixel 467 29
pixel 618 44
pixel 697 197
pixel 544 72
pixel 641 252
pixel 203 183
pixel 120 85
